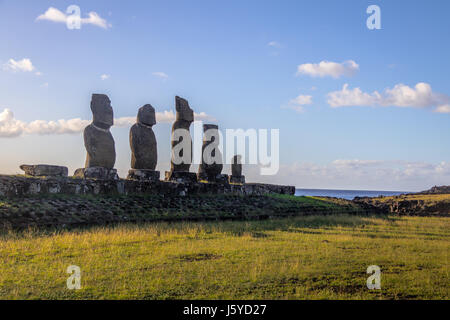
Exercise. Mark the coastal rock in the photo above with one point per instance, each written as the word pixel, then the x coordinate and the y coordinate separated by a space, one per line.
pixel 45 170
pixel 143 141
pixel 437 190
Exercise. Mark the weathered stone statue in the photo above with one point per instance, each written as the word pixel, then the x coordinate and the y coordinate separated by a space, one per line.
pixel 143 146
pixel 99 142
pixel 181 144
pixel 236 170
pixel 212 163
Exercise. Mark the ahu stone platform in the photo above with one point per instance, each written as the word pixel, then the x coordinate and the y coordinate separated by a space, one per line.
pixel 17 185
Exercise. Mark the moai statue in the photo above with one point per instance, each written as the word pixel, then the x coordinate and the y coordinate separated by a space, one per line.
pixel 212 163
pixel 236 171
pixel 99 142
pixel 143 146
pixel 181 144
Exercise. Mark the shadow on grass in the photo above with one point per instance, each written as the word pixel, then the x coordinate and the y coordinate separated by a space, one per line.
pixel 257 228
pixel 253 228
pixel 266 213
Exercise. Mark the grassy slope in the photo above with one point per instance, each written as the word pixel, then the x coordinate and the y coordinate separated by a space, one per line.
pixel 291 258
pixel 77 210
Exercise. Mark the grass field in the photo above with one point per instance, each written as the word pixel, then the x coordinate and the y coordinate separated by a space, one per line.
pixel 310 257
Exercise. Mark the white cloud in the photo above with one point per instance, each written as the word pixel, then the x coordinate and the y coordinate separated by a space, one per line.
pixel 356 163
pixel 328 68
pixel 298 102
pixel 421 96
pixel 44 85
pixel 161 75
pixel 443 109
pixel 93 18
pixel 11 127
pixel 104 76
pixel 354 97
pixel 53 14
pixel 274 44
pixel 55 127
pixel 404 96
pixel 302 100
pixel 197 116
pixel 161 117
pixel 359 174
pixel 24 65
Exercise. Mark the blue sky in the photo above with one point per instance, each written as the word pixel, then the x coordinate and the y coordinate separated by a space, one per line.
pixel 238 62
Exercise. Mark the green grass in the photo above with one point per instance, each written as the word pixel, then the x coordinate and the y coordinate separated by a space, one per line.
pixel 309 257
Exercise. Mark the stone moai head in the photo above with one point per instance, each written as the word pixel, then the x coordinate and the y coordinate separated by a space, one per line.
pixel 237 159
pixel 146 115
pixel 213 127
pixel 184 112
pixel 102 111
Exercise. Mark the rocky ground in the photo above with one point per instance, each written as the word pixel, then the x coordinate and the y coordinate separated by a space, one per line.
pixel 437 190
pixel 409 204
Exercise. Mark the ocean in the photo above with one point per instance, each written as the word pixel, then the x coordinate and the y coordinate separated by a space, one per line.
pixel 345 194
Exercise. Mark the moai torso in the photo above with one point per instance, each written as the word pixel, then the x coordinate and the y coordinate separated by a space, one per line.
pixel 143 141
pixel 236 166
pixel 98 140
pixel 212 167
pixel 184 118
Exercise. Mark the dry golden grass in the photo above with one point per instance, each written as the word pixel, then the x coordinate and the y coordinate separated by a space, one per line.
pixel 429 198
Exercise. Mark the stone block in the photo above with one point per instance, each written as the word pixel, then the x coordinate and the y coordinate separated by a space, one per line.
pixel 181 176
pixel 237 179
pixel 143 175
pixel 219 178
pixel 45 170
pixel 96 173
